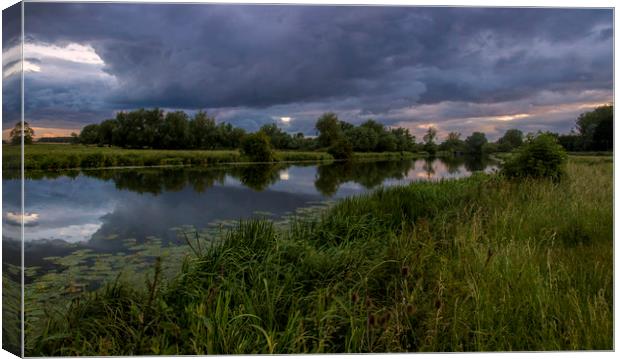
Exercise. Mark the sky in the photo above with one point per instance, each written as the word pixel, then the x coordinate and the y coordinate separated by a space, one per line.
pixel 456 69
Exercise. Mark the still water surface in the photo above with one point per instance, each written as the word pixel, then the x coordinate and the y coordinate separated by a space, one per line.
pixel 112 219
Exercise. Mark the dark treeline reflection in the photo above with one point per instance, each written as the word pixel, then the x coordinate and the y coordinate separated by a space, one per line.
pixel 370 174
pixel 328 179
pixel 160 180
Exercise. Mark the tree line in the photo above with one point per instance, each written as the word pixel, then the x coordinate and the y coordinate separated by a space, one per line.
pixel 594 131
pixel 177 130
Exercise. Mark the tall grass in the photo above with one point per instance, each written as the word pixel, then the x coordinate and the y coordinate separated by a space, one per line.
pixel 479 264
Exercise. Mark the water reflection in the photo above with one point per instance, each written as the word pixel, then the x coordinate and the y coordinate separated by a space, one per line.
pixel 85 227
pixel 100 210
pixel 369 175
pixel 327 178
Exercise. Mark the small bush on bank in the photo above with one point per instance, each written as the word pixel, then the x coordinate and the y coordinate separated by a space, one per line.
pixel 257 148
pixel 341 150
pixel 539 157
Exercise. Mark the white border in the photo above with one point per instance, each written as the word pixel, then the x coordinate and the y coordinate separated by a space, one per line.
pixel 477 3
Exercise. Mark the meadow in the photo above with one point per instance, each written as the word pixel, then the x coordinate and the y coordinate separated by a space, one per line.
pixel 476 264
pixel 66 156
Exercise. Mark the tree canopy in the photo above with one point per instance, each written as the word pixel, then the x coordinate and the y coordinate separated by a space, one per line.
pixel 157 129
pixel 16 134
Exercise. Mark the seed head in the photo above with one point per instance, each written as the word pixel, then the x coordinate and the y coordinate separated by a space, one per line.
pixel 385 318
pixel 410 309
pixel 372 320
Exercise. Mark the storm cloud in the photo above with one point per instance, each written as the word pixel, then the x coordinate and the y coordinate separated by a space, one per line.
pixel 462 69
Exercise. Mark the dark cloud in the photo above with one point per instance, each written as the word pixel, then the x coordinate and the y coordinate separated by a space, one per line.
pixel 11 87
pixel 255 61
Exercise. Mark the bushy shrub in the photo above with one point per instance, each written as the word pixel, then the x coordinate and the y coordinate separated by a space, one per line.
pixel 257 147
pixel 540 157
pixel 341 150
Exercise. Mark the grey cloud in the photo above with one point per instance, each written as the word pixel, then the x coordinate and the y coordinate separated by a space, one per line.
pixel 360 61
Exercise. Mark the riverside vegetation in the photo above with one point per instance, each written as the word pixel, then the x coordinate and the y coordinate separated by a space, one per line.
pixel 59 156
pixel 154 138
pixel 478 264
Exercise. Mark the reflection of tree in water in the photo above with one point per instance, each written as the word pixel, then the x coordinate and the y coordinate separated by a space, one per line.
pixel 258 177
pixel 368 174
pixel 453 163
pixel 160 180
pixel 428 167
pixel 330 177
pixel 476 163
pixel 157 181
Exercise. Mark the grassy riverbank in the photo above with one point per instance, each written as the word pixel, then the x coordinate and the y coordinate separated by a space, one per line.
pixel 65 156
pixel 479 264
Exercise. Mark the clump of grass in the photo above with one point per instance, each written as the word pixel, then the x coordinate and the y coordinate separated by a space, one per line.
pixel 478 264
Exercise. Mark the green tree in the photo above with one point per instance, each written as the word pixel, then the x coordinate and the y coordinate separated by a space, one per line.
pixel 133 125
pixel 475 143
pixel 202 131
pixel 429 140
pixel 404 140
pixel 90 135
pixel 257 147
pixel 596 128
pixel 345 126
pixel 539 157
pixel 228 136
pixel 571 141
pixel 341 150
pixel 279 139
pixel 107 131
pixel 453 143
pixel 386 143
pixel 16 134
pixel 362 139
pixel 511 139
pixel 175 132
pixel 153 126
pixel 329 129
pixel 374 126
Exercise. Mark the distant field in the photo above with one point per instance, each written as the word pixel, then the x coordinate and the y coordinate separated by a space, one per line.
pixel 63 156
